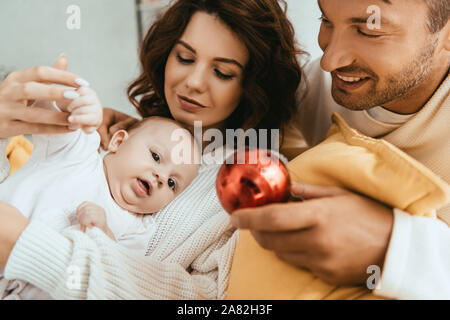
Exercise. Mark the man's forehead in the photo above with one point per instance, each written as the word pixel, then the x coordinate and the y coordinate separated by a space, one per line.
pixel 392 12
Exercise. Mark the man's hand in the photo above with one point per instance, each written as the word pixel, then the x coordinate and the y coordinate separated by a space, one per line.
pixel 334 233
pixel 86 111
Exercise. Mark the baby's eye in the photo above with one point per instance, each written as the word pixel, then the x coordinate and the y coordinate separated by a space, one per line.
pixel 155 157
pixel 171 184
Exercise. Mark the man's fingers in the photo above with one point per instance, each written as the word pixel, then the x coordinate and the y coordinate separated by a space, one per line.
pixel 45 74
pixel 287 241
pixel 312 191
pixel 298 259
pixel 277 217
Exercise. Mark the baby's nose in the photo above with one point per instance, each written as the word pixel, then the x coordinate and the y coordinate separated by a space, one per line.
pixel 158 179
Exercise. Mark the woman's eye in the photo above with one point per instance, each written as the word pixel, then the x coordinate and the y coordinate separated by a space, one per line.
pixel 171 184
pixel 155 157
pixel 223 75
pixel 183 60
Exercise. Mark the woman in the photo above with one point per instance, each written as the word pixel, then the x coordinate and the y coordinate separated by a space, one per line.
pixel 229 64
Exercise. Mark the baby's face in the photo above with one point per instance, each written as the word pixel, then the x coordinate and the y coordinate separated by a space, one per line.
pixel 143 176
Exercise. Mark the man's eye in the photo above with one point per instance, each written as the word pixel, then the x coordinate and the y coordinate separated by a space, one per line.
pixel 324 20
pixel 155 157
pixel 183 60
pixel 171 184
pixel 368 35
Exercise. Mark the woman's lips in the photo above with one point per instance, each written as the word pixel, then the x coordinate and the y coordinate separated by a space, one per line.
pixel 189 104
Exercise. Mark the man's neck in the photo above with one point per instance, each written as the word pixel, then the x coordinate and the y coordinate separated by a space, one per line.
pixel 418 97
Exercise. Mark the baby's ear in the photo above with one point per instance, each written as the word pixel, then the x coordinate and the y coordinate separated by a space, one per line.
pixel 117 139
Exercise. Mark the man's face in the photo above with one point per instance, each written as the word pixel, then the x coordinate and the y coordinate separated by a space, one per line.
pixel 387 66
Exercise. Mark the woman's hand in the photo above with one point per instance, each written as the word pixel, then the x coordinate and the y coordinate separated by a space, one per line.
pixel 24 86
pixel 12 223
pixel 113 121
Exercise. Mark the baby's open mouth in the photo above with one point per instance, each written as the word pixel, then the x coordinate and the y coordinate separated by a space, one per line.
pixel 145 185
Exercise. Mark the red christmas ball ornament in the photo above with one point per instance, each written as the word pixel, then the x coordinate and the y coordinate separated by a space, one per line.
pixel 253 178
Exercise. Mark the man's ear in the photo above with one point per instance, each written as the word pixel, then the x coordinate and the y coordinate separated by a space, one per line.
pixel 117 139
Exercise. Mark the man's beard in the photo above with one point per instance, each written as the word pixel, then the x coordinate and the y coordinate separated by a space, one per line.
pixel 396 86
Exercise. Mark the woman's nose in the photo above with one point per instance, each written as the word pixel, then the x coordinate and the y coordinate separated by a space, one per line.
pixel 197 79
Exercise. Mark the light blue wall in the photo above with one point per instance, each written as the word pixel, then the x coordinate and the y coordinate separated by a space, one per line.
pixel 103 50
pixel 304 15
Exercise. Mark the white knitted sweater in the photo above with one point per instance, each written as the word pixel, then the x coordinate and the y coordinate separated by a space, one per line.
pixel 189 256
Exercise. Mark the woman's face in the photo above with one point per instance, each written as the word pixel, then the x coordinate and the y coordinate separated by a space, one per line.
pixel 204 70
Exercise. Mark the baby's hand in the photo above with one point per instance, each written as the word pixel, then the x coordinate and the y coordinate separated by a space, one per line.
pixel 86 110
pixel 91 215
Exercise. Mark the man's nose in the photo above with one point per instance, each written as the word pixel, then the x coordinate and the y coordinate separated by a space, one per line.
pixel 337 53
pixel 197 79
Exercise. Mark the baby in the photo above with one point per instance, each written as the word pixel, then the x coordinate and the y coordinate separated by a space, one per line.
pixel 67 182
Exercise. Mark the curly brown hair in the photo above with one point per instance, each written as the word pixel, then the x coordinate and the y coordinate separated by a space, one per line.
pixel 270 78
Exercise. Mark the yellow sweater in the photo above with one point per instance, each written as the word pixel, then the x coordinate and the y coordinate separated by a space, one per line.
pixel 346 159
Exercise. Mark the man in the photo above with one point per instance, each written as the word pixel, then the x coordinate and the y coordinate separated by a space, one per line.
pixel 389 81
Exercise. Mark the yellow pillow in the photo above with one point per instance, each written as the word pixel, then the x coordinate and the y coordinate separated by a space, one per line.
pixel 18 152
pixel 346 159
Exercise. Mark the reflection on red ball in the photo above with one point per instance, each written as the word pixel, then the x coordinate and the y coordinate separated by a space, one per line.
pixel 259 178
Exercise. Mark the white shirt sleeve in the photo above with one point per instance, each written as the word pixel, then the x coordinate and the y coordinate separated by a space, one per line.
pixel 417 264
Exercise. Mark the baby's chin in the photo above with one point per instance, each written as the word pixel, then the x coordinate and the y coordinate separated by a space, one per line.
pixel 125 200
pixel 138 209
